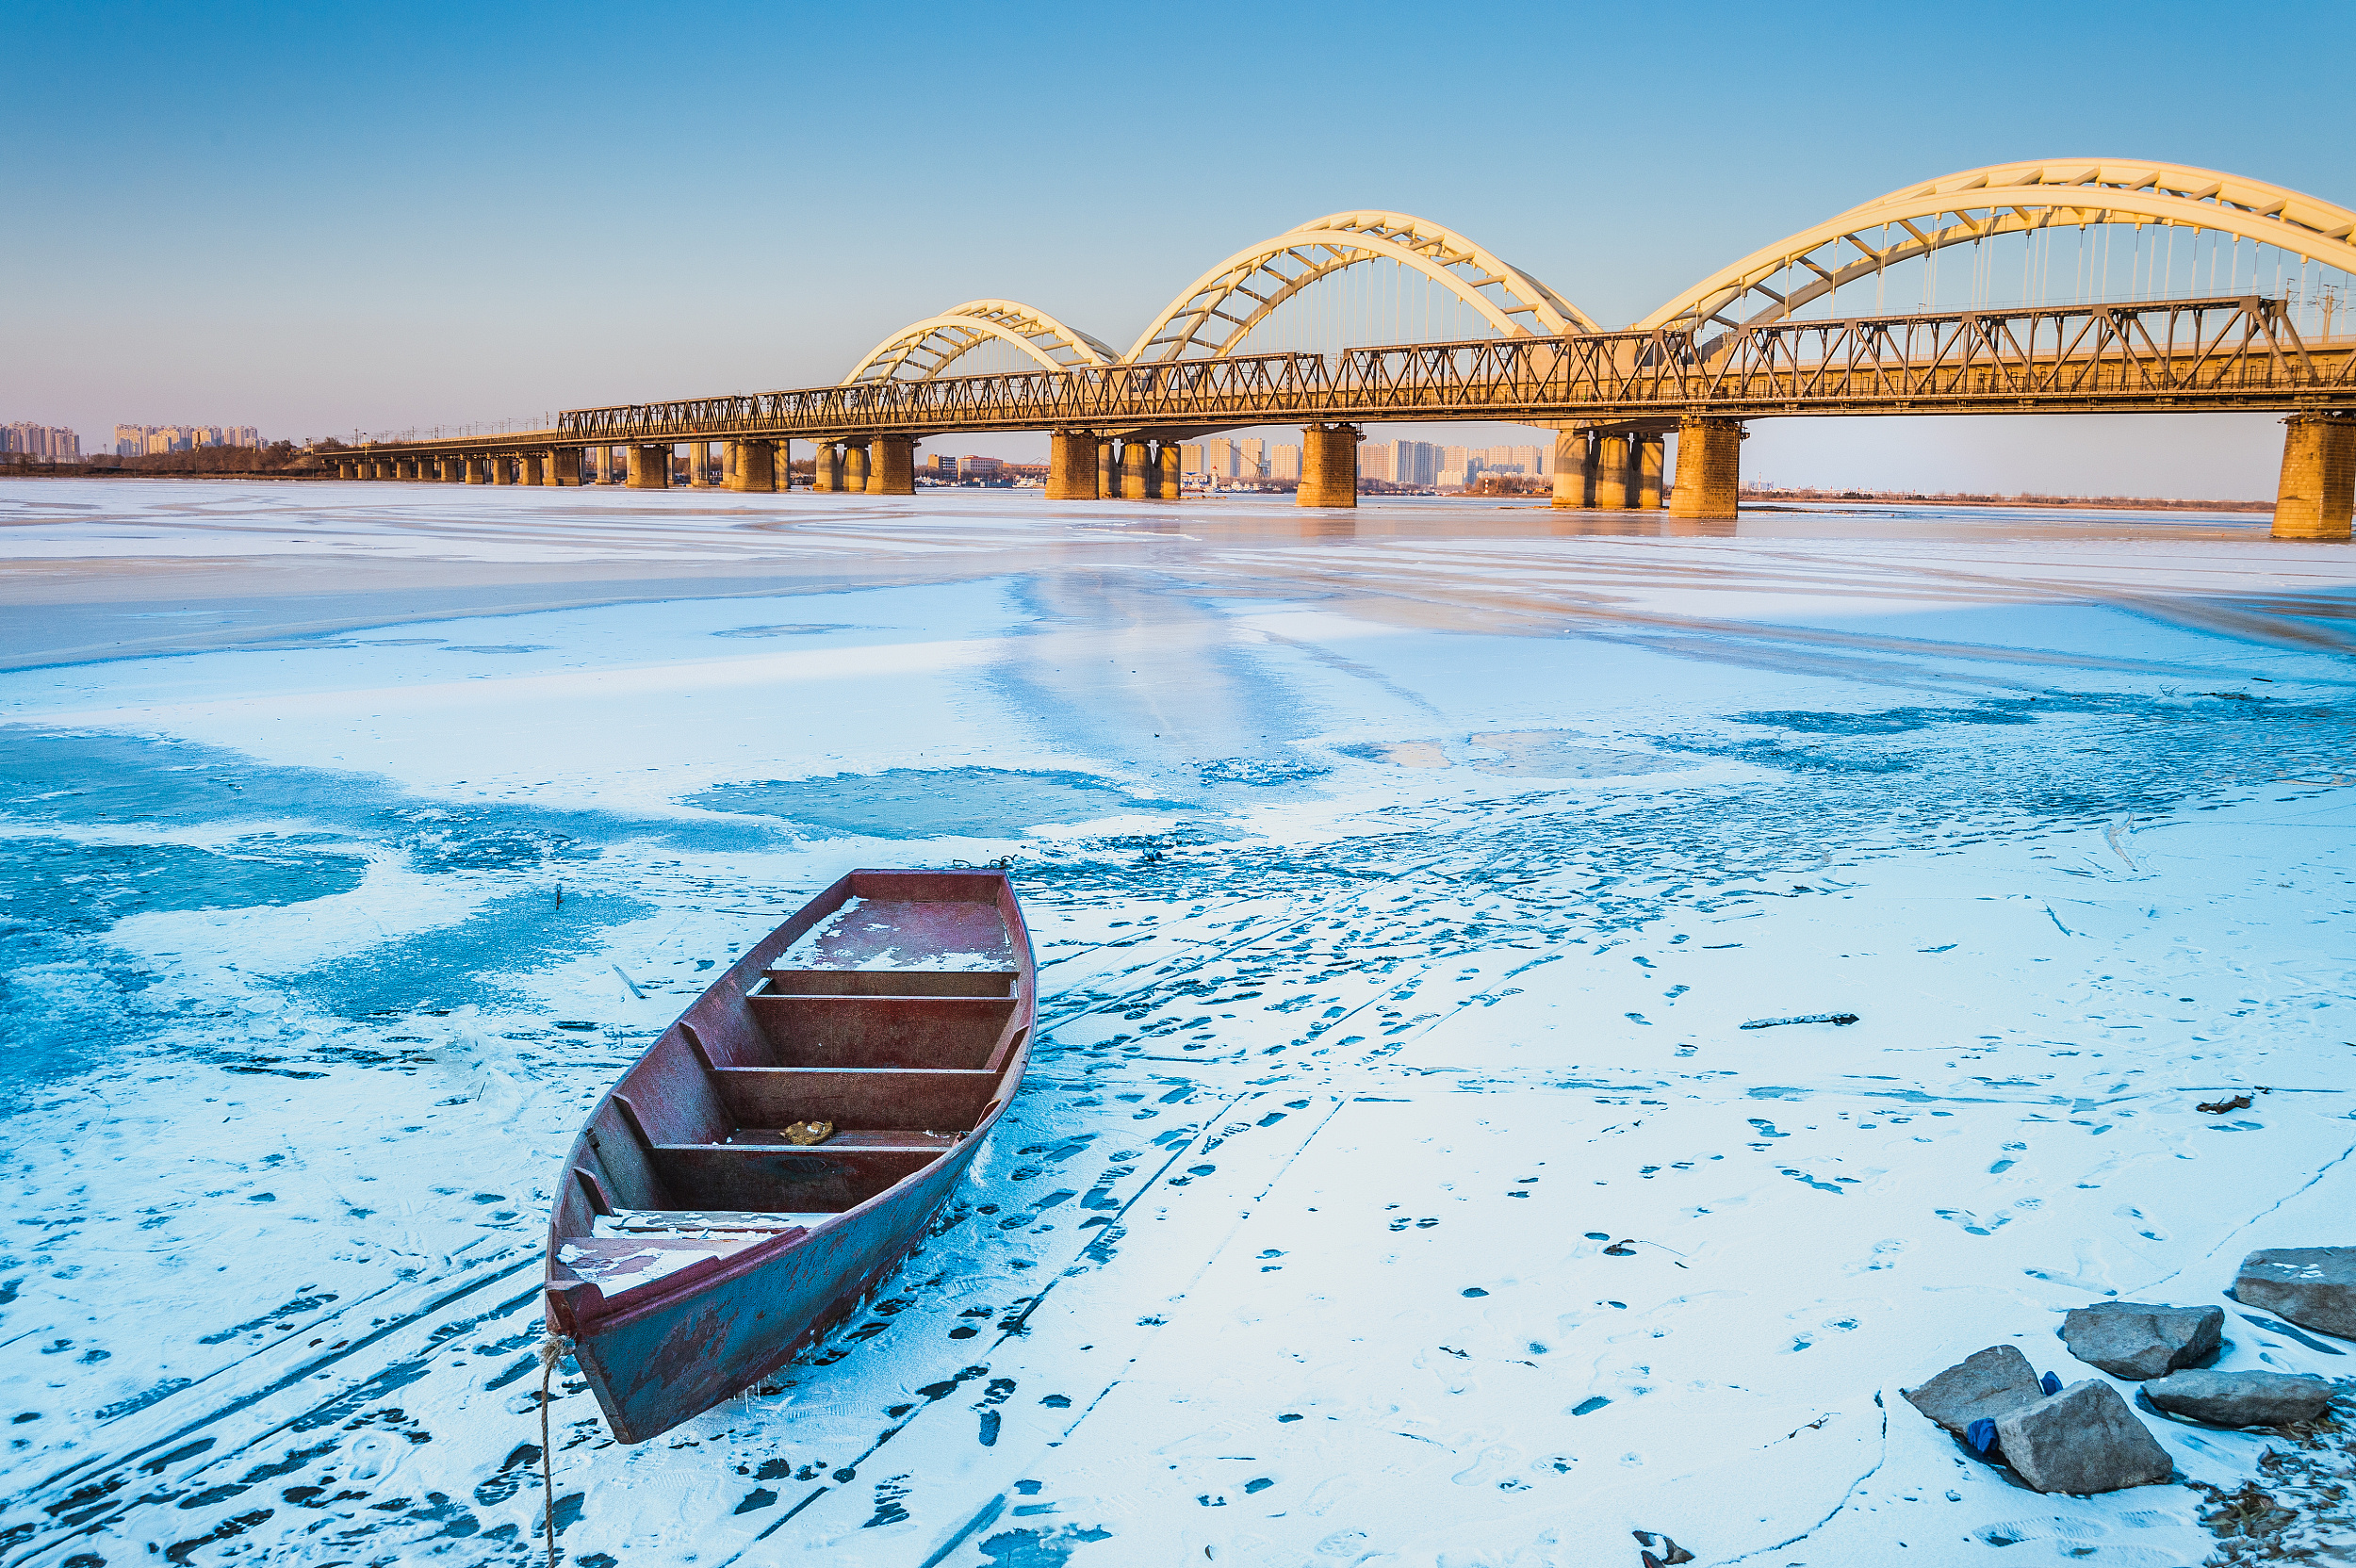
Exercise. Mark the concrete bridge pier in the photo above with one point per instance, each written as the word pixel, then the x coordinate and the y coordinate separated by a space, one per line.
pixel 855 467
pixel 1651 452
pixel 1166 459
pixel 1329 465
pixel 1575 468
pixel 1070 466
pixel 2318 485
pixel 700 464
pixel 564 466
pixel 753 465
pixel 649 467
pixel 533 469
pixel 478 471
pixel 782 455
pixel 1136 475
pixel 893 469
pixel 1614 493
pixel 1709 469
pixel 825 466
pixel 1107 474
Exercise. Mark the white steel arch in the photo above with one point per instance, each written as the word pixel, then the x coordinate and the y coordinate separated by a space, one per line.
pixel 2012 198
pixel 1219 310
pixel 923 349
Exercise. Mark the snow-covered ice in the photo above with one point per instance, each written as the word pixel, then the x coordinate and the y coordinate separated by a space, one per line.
pixel 1385 868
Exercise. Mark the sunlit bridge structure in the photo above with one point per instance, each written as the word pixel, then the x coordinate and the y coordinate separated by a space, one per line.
pixel 2086 286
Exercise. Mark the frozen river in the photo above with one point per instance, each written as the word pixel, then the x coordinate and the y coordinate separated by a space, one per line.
pixel 1386 869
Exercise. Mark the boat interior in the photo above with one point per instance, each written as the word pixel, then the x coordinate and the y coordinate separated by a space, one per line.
pixel 897 1015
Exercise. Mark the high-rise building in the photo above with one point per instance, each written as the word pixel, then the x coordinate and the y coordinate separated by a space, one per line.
pixel 1284 462
pixel 1190 458
pixel 132 440
pixel 1255 460
pixel 32 440
pixel 1219 459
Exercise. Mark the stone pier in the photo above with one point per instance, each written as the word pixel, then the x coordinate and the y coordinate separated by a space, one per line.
pixel 1612 476
pixel 855 467
pixel 1136 475
pixel 1329 465
pixel 2318 488
pixel 825 469
pixel 649 467
pixel 700 464
pixel 753 465
pixel 564 466
pixel 1070 466
pixel 1575 468
pixel 534 468
pixel 478 471
pixel 1107 476
pixel 893 472
pixel 1709 469
pixel 1649 459
pixel 1168 460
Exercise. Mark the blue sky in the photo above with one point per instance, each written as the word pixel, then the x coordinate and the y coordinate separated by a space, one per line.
pixel 313 219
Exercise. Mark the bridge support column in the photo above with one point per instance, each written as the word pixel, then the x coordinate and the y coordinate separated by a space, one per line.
pixel 2318 488
pixel 855 467
pixel 1107 474
pixel 1167 463
pixel 1137 478
pixel 563 464
pixel 478 471
pixel 1575 468
pixel 824 455
pixel 753 465
pixel 1329 465
pixel 532 469
pixel 1611 475
pixel 1650 453
pixel 891 468
pixel 649 467
pixel 700 464
pixel 1709 469
pixel 782 456
pixel 1071 467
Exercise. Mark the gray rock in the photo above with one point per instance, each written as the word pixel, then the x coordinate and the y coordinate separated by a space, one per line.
pixel 2135 1340
pixel 2240 1398
pixel 1987 1383
pixel 2312 1286
pixel 2084 1439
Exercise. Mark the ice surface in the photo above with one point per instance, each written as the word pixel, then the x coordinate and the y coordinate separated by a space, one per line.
pixel 1386 870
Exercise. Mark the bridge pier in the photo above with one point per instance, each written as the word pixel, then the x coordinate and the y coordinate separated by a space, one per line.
pixel 1612 473
pixel 1108 476
pixel 1071 462
pixel 1650 455
pixel 1167 461
pixel 533 469
pixel 564 466
pixel 892 468
pixel 855 467
pixel 1574 468
pixel 2317 490
pixel 477 472
pixel 1709 469
pixel 700 464
pixel 1329 465
pixel 502 471
pixel 1137 477
pixel 649 467
pixel 753 465
pixel 824 468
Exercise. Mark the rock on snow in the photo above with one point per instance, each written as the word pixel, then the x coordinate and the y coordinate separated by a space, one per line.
pixel 2240 1398
pixel 2312 1286
pixel 2084 1439
pixel 2135 1340
pixel 1985 1384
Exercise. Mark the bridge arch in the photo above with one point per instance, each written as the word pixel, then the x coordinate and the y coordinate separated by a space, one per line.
pixel 2005 199
pixel 1216 313
pixel 923 349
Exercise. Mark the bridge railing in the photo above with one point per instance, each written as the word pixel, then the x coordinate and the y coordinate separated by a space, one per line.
pixel 2155 350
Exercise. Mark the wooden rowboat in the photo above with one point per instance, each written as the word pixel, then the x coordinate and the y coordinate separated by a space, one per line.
pixel 694 1245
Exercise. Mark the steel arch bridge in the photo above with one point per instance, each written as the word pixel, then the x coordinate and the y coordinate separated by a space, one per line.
pixel 1758 337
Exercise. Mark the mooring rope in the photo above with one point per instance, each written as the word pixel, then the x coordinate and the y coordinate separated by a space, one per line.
pixel 553 1349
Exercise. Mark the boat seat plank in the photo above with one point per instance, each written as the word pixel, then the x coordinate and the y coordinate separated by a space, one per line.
pixel 620 1265
pixel 954 1032
pixel 643 1222
pixel 785 1177
pixel 939 1098
pixel 888 982
pixel 844 1137
pixel 886 928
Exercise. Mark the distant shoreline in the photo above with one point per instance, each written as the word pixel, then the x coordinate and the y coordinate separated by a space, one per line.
pixel 1756 500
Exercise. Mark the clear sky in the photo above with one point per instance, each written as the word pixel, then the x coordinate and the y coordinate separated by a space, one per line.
pixel 317 219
